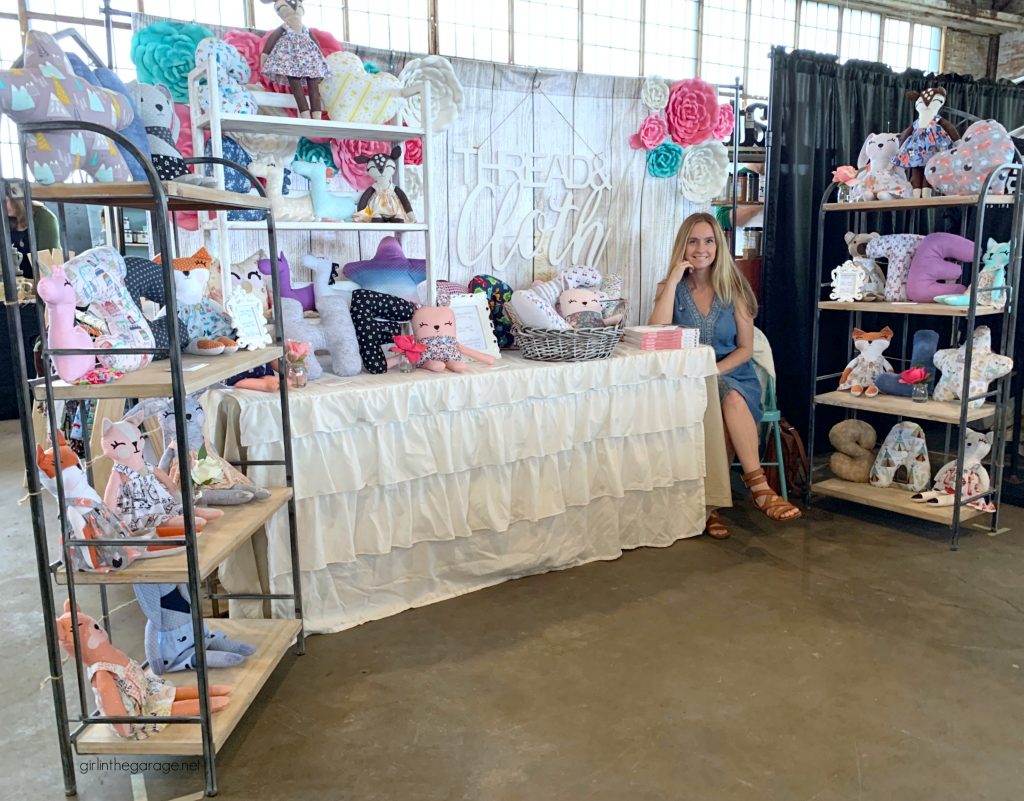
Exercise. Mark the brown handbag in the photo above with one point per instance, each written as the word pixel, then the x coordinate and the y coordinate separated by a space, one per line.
pixel 794 457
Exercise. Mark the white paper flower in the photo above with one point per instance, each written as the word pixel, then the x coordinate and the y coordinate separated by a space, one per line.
pixel 412 184
pixel 654 93
pixel 704 170
pixel 206 471
pixel 445 91
pixel 277 146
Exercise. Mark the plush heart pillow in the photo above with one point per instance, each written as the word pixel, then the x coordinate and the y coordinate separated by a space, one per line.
pixel 963 168
pixel 351 94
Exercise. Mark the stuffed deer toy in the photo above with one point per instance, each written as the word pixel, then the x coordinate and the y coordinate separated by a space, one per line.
pixel 291 56
pixel 928 135
pixel 383 202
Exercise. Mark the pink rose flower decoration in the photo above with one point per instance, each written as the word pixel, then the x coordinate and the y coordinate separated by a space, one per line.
pixel 726 122
pixel 652 133
pixel 413 152
pixel 345 151
pixel 844 175
pixel 692 111
pixel 915 375
pixel 250 45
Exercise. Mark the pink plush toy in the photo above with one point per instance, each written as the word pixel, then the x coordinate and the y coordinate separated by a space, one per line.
pixel 61 331
pixel 123 687
pixel 434 326
pixel 582 308
pixel 936 262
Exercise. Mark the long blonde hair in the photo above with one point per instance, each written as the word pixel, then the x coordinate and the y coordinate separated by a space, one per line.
pixel 726 279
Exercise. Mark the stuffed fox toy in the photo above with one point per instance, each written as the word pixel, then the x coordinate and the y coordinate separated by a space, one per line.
pixel 859 375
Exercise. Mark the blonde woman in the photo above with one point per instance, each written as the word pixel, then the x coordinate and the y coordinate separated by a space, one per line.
pixel 704 290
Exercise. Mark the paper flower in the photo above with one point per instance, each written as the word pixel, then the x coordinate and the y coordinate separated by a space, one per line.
pixel 344 152
pixel 915 375
pixel 295 351
pixel 726 122
pixel 663 161
pixel 445 91
pixel 413 183
pixel 184 140
pixel 654 93
pixel 413 152
pixel 205 470
pixel 276 146
pixel 692 111
pixel 308 150
pixel 652 133
pixel 248 45
pixel 371 68
pixel 845 175
pixel 704 171
pixel 165 52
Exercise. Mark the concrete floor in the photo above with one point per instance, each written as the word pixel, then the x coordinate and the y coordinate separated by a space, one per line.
pixel 850 655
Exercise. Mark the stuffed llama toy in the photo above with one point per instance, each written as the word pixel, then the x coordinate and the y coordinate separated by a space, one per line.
pixel 879 179
pixel 859 375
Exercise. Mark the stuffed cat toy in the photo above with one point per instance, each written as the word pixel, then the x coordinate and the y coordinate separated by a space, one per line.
pixel 143 496
pixel 88 518
pixel 122 687
pixel 434 326
pixel 859 375
pixel 582 308
pixel 975 476
pixel 169 641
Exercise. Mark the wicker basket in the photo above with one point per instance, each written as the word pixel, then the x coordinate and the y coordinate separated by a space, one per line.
pixel 574 345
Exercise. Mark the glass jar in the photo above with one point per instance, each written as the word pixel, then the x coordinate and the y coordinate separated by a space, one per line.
pixel 843 193
pixel 297 376
pixel 919 393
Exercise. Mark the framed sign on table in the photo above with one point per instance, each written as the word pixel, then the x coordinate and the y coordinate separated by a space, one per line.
pixel 473 325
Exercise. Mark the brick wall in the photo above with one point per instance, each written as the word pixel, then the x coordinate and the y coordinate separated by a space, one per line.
pixel 1011 55
pixel 966 53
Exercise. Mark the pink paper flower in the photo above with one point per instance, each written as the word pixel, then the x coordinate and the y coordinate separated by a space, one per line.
pixel 915 375
pixel 296 352
pixel 726 122
pixel 844 175
pixel 692 111
pixel 652 133
pixel 413 152
pixel 345 151
pixel 249 44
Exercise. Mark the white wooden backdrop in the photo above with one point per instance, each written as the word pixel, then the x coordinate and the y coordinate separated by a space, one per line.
pixel 641 213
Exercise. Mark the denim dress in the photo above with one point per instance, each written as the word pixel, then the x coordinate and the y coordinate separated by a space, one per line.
pixel 718 330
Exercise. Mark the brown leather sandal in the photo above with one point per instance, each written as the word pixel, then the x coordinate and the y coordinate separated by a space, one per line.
pixel 715 528
pixel 773 506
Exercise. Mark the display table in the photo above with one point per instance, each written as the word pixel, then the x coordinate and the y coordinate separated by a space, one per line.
pixel 413 488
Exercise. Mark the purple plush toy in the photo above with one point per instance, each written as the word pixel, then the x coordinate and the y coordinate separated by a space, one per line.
pixel 936 261
pixel 303 293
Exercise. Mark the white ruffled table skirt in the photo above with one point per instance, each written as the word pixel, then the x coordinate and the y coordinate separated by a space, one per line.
pixel 414 488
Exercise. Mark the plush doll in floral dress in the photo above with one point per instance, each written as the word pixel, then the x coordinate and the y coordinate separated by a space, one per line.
pixel 927 136
pixel 291 54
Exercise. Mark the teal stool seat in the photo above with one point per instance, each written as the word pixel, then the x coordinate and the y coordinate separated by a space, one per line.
pixel 771 425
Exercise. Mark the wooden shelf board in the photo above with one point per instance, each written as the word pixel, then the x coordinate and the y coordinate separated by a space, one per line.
pixel 933 309
pixel 720 203
pixel 137 195
pixel 272 638
pixel 247 225
pixel 920 203
pixel 294 126
pixel 154 380
pixel 941 411
pixel 216 542
pixel 892 500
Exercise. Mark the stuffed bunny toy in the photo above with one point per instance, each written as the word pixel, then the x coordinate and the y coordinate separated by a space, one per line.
pixel 169 641
pixel 878 178
pixel 156 109
pixel 975 477
pixel 232 487
pixel 88 518
pixel 383 202
pixel 143 496
pixel 434 327
pixel 122 687
pixel 582 308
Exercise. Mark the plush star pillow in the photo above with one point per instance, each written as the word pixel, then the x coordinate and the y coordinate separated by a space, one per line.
pixel 986 367
pixel 47 89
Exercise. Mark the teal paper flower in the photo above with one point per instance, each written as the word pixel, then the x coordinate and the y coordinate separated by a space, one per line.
pixel 165 52
pixel 371 68
pixel 664 160
pixel 314 151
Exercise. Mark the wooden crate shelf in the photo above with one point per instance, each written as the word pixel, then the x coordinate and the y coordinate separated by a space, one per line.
pixel 940 411
pixel 248 225
pixel 295 126
pixel 892 500
pixel 137 195
pixel 932 309
pixel 218 540
pixel 909 204
pixel 271 638
pixel 154 380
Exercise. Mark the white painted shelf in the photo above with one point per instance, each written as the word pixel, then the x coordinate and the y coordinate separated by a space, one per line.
pixel 247 225
pixel 312 129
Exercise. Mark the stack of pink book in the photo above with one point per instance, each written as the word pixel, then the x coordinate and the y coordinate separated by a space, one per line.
pixel 661 337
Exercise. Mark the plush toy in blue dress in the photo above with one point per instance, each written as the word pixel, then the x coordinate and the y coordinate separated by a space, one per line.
pixel 929 135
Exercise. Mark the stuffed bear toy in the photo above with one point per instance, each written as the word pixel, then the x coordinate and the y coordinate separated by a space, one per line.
pixel 872 286
pixel 975 478
pixel 434 327
pixel 582 308
pixel 156 108
pixel 879 179
pixel 854 441
pixel 860 374
pixel 122 687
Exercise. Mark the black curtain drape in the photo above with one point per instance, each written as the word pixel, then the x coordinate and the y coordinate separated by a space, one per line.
pixel 820 114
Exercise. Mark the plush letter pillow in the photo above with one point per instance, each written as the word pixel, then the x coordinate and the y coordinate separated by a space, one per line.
pixel 936 267
pixel 899 250
pixel 145 279
pixel 377 319
pixel 902 461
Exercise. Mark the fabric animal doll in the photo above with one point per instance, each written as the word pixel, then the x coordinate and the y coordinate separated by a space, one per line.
pixel 986 367
pixel 122 687
pixel 291 54
pixel 993 273
pixel 143 496
pixel 327 205
pixel 209 328
pixel 58 294
pixel 156 108
pixel 975 478
pixel 232 488
pixel 936 267
pixel 859 375
pixel 872 286
pixel 383 202
pixel 582 308
pixel 88 518
pixel 303 293
pixel 879 179
pixel 169 641
pixel 928 135
pixel 434 326
pixel 145 279
pixel 902 460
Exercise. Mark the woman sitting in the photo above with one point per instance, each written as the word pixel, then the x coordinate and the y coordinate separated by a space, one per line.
pixel 704 290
